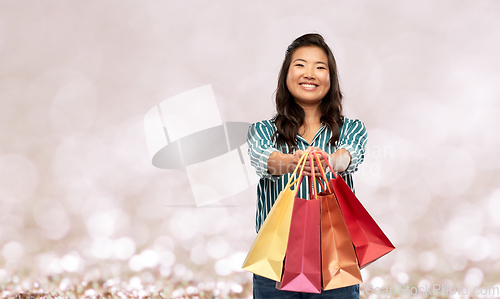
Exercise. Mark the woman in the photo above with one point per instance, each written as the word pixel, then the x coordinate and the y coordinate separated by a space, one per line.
pixel 308 118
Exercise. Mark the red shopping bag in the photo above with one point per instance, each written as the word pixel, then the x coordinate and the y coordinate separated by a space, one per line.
pixel 302 270
pixel 369 240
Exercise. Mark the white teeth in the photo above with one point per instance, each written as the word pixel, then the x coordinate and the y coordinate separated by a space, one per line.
pixel 308 85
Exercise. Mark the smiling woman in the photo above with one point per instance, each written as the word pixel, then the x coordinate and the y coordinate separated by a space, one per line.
pixel 308 118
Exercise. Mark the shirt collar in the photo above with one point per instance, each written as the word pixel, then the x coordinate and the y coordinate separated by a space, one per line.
pixel 320 130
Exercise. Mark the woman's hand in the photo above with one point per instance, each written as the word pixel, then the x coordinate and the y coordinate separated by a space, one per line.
pixel 324 161
pixel 307 168
pixel 280 163
pixel 295 160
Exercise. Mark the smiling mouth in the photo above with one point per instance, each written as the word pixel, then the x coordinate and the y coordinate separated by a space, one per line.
pixel 307 85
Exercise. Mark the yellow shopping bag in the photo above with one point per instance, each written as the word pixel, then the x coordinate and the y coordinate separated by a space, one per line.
pixel 267 253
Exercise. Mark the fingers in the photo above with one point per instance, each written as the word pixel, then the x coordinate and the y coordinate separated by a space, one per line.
pixel 300 152
pixel 308 170
pixel 296 157
pixel 318 150
pixel 323 159
pixel 307 167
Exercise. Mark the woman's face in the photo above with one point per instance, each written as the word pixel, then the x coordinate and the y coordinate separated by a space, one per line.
pixel 308 78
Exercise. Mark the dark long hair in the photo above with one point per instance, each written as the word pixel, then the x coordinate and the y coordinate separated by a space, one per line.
pixel 290 115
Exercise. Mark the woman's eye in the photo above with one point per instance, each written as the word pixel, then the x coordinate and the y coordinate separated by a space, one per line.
pixel 321 67
pixel 299 64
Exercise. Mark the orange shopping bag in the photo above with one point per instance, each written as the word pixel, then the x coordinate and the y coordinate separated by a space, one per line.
pixel 339 263
pixel 369 240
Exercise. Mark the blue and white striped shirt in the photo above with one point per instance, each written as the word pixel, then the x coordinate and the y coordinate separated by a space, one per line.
pixel 352 137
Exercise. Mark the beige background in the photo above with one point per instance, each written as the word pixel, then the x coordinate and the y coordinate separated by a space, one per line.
pixel 78 194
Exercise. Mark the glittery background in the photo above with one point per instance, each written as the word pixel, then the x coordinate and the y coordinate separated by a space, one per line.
pixel 83 213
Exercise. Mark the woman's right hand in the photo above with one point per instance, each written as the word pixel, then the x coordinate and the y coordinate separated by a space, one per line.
pixel 296 157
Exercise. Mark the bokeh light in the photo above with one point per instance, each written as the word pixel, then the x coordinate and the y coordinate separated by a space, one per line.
pixel 84 214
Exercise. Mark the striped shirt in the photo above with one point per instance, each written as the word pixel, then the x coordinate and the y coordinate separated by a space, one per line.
pixel 352 137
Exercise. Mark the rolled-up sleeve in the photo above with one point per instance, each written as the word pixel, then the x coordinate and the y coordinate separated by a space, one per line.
pixel 260 147
pixel 353 138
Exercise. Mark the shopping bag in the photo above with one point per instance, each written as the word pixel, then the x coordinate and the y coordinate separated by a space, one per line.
pixel 302 271
pixel 369 240
pixel 339 264
pixel 267 253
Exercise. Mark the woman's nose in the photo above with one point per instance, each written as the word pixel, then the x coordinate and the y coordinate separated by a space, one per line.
pixel 309 74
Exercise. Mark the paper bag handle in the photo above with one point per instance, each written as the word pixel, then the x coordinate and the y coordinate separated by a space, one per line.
pixel 328 163
pixel 301 164
pixel 322 171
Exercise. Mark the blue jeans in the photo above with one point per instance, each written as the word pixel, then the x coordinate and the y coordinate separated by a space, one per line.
pixel 264 288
